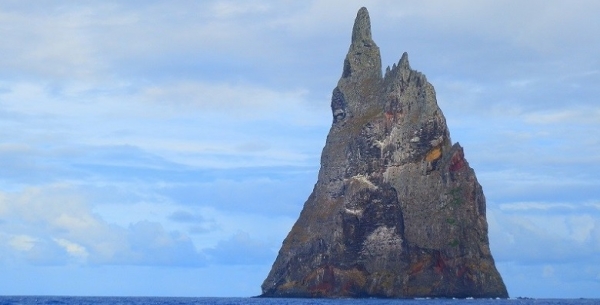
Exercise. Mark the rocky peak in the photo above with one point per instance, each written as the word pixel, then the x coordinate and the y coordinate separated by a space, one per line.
pixel 403 63
pixel 362 66
pixel 396 211
pixel 363 59
pixel 361 32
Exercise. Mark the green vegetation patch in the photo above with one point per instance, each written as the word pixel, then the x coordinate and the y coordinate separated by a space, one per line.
pixel 456 196
pixel 451 221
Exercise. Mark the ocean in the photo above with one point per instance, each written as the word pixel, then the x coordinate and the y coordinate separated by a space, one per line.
pixel 58 300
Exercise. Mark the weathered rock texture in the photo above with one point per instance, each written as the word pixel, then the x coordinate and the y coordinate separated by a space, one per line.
pixel 396 211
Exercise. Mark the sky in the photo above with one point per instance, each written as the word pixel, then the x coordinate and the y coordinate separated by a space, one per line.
pixel 165 148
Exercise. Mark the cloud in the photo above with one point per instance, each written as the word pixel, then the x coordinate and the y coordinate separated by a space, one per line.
pixel 241 249
pixel 240 101
pixel 199 224
pixel 564 182
pixel 565 116
pixel 540 237
pixel 232 9
pixel 526 206
pixel 34 250
pixel 186 217
pixel 538 242
pixel 58 225
pixel 54 225
pixel 55 128
pixel 204 225
pixel 151 245
pixel 257 193
pixel 73 249
pixel 541 25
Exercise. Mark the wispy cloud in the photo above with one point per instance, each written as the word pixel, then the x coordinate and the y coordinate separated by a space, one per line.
pixel 566 116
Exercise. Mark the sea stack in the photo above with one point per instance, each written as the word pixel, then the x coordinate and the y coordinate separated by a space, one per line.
pixel 397 211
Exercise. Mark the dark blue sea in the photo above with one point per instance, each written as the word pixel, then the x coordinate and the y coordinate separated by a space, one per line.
pixel 58 300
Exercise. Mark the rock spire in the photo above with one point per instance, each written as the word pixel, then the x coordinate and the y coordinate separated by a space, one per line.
pixel 361 32
pixel 397 211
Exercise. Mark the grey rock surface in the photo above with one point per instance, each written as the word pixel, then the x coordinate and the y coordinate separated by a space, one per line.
pixel 397 211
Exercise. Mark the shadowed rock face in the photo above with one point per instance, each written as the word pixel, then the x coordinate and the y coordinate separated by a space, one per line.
pixel 396 211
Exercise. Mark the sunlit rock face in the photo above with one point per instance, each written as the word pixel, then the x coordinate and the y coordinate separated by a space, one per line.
pixel 397 211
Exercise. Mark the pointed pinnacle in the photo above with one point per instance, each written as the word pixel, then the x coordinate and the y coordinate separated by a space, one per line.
pixel 404 61
pixel 362 26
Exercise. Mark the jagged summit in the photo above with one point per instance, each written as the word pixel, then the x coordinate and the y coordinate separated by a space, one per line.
pixel 396 211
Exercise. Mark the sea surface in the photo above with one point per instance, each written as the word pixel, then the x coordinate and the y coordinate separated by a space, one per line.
pixel 58 300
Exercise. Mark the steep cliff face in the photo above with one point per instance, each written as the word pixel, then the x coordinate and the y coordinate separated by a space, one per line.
pixel 396 210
